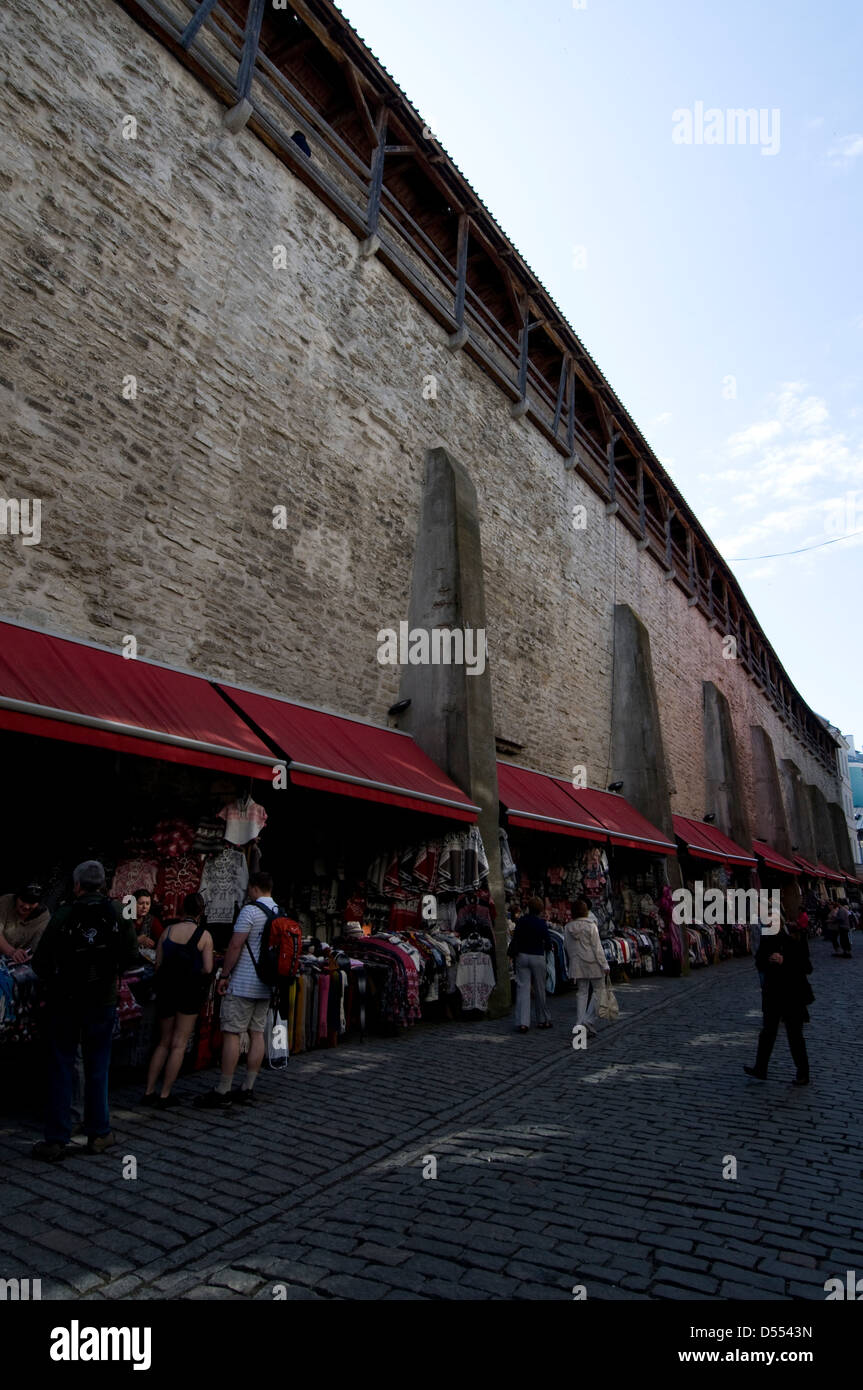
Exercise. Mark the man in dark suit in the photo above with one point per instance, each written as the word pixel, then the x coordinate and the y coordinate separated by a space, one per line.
pixel 783 960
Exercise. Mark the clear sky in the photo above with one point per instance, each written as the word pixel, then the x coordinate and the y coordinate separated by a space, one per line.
pixel 720 288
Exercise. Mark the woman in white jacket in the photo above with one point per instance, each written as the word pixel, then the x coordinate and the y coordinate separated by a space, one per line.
pixel 587 963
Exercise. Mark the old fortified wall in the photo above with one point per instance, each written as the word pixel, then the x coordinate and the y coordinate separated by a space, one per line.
pixel 308 378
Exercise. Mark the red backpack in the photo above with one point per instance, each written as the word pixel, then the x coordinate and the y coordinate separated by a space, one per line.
pixel 281 947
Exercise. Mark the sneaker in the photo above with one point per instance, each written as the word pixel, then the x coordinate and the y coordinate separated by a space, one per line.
pixel 150 1100
pixel 213 1100
pixel 800 1081
pixel 244 1097
pixel 757 1075
pixel 52 1153
pixel 100 1142
pixel 167 1102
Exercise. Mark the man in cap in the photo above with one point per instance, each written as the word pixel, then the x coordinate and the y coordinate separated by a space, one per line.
pixel 85 947
pixel 23 919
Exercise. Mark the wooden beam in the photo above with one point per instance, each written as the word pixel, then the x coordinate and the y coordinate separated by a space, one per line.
pixel 520 407
pixel 604 416
pixel 377 180
pixel 558 405
pixel 570 420
pixel 254 19
pixel 198 18
pixel 320 31
pixel 639 484
pixel 461 267
pixel 360 102
pixel 670 512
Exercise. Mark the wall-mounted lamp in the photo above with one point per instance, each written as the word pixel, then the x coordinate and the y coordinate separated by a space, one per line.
pixel 399 707
pixel 615 786
pixel 794 849
pixel 710 817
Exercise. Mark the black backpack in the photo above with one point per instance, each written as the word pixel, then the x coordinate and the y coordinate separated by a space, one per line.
pixel 87 949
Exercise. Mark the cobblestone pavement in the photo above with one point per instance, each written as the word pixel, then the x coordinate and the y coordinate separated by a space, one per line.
pixel 554 1168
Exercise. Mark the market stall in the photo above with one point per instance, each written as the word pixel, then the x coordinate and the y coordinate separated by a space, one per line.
pixel 710 858
pixel 566 842
pixel 180 785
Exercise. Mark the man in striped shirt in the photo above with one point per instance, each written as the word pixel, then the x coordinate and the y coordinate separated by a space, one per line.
pixel 245 1000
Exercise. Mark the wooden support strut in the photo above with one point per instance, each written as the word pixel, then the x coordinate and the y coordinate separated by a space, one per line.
pixel 558 405
pixel 693 573
pixel 612 505
pixel 570 419
pixel 711 597
pixel 187 37
pixel 372 241
pixel 360 102
pixel 643 542
pixel 460 337
pixel 520 406
pixel 670 512
pixel 240 112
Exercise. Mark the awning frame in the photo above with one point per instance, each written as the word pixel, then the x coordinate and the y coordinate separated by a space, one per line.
pixel 329 776
pixel 110 726
pixel 466 809
pixel 715 853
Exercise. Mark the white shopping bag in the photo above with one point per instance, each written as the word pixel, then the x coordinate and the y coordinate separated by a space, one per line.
pixel 276 1034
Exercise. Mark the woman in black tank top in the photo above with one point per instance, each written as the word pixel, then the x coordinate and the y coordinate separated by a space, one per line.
pixel 184 965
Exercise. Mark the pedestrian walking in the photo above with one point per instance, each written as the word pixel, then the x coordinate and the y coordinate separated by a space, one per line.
pixel 839 924
pixel 184 966
pixel 530 941
pixel 784 961
pixel 588 965
pixel 85 947
pixel 246 999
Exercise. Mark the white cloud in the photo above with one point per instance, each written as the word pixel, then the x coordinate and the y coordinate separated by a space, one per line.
pixel 753 437
pixel 664 418
pixel 791 480
pixel 846 149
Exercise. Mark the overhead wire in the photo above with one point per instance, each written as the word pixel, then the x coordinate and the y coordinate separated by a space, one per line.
pixel 801 550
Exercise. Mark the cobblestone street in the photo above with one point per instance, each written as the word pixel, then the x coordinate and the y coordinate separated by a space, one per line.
pixel 554 1167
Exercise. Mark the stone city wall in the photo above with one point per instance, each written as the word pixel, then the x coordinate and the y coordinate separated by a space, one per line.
pixel 304 387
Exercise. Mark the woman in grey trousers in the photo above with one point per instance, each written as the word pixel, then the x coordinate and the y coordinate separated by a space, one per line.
pixel 530 941
pixel 587 963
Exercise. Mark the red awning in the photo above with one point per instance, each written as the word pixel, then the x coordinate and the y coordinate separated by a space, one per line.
pixel 625 826
pixel 773 859
pixel 706 842
pixel 540 801
pixel 811 869
pixel 830 874
pixel 333 753
pixel 537 801
pixel 59 688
